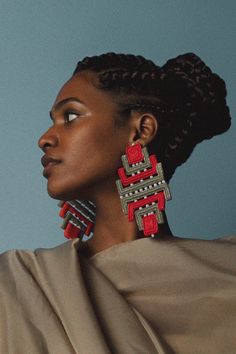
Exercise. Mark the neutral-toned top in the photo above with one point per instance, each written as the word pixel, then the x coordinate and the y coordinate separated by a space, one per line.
pixel 140 297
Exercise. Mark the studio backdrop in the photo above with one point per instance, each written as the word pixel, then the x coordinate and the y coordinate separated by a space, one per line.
pixel 41 42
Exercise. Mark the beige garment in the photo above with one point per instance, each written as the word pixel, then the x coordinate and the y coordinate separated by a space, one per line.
pixel 141 297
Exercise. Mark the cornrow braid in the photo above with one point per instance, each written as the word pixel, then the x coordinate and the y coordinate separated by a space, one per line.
pixel 187 99
pixel 114 61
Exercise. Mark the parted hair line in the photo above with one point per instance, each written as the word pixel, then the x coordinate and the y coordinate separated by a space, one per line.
pixel 186 97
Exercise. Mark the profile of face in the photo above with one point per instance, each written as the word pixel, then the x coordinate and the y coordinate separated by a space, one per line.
pixel 84 139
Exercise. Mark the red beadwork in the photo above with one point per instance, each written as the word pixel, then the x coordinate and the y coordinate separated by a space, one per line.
pixel 142 188
pixel 126 180
pixel 79 218
pixel 71 231
pixel 150 225
pixel 64 210
pixel 160 198
pixel 134 154
pixel 67 207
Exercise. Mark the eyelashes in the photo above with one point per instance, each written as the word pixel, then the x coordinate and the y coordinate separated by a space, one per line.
pixel 66 116
pixel 70 116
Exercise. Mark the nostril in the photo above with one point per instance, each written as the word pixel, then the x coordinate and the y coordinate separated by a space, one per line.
pixel 46 145
pixel 48 139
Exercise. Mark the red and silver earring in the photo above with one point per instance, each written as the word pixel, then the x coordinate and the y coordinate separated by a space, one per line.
pixel 142 188
pixel 79 218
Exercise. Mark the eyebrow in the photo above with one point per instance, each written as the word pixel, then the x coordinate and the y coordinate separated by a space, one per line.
pixel 61 103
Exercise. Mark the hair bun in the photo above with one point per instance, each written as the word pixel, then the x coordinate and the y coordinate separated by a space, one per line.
pixel 189 83
pixel 185 96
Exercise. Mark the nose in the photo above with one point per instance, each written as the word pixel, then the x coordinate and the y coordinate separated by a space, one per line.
pixel 48 139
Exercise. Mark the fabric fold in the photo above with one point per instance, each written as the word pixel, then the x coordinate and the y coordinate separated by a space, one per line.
pixel 140 297
pixel 184 288
pixel 50 294
pixel 121 325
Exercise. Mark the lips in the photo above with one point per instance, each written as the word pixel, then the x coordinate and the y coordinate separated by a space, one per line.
pixel 48 163
pixel 45 160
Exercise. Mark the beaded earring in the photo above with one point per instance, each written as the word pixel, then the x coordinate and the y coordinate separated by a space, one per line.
pixel 79 218
pixel 142 188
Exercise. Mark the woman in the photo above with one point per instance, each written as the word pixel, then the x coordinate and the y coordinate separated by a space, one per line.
pixel 122 291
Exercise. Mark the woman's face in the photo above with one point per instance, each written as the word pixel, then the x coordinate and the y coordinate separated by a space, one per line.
pixel 85 139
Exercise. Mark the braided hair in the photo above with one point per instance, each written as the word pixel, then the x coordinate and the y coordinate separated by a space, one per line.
pixel 187 99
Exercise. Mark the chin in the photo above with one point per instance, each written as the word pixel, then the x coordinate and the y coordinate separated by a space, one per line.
pixel 63 193
pixel 56 194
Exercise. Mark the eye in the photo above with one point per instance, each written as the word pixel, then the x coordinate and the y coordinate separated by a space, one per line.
pixel 69 116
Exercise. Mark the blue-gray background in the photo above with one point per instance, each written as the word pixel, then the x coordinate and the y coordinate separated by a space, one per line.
pixel 41 41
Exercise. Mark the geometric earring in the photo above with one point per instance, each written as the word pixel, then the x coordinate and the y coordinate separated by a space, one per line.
pixel 79 218
pixel 142 188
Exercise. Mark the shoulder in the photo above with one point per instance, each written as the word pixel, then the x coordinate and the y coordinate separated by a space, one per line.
pixel 219 242
pixel 21 264
pixel 198 243
pixel 217 253
pixel 176 253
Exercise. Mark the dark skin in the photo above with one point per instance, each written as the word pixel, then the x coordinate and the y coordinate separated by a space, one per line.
pixel 85 138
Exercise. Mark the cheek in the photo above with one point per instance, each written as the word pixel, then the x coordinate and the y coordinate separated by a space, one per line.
pixel 107 148
pixel 97 152
pixel 91 158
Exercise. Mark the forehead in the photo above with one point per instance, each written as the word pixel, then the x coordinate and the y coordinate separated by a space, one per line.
pixel 82 86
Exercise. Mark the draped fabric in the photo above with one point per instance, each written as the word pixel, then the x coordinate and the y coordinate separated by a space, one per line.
pixel 139 297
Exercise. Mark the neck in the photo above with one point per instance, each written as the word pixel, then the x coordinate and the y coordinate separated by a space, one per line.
pixel 113 227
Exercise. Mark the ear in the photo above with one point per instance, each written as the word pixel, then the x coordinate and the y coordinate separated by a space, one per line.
pixel 144 127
